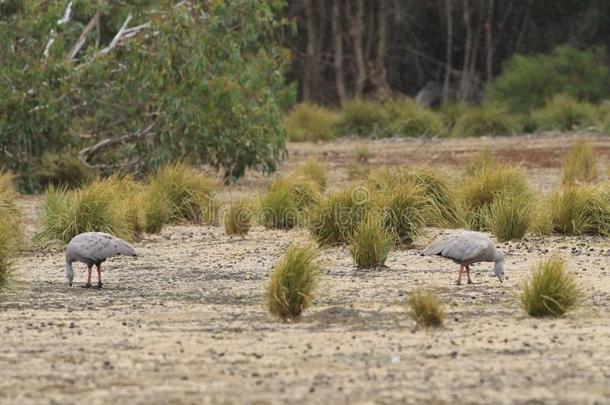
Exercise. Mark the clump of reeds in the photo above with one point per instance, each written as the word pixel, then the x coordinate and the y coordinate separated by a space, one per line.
pixel 371 242
pixel 287 200
pixel 580 209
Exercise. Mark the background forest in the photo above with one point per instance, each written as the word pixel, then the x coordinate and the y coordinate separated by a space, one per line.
pixel 99 86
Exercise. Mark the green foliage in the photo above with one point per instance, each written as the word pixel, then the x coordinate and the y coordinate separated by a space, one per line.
pixel 64 170
pixel 293 280
pixel 288 198
pixel 529 80
pixel 425 308
pixel 451 112
pixel 551 290
pixel 370 242
pixel 564 113
pixel 579 164
pixel 362 117
pixel 190 192
pixel 338 215
pixel 209 81
pixel 312 169
pixel 511 216
pixel 238 219
pixel 486 120
pixel 480 190
pixel 310 122
pixel 409 119
pixel 580 209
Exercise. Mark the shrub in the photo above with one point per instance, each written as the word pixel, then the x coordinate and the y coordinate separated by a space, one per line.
pixel 362 117
pixel 551 290
pixel 409 119
pixel 425 308
pixel 371 242
pixel 564 113
pixel 529 80
pixel 403 210
pixel 511 216
pixel 190 192
pixel 480 190
pixel 579 164
pixel 65 214
pixel 293 280
pixel 284 204
pixel 238 219
pixel 63 170
pixel 338 215
pixel 314 170
pixel 578 210
pixel 486 120
pixel 310 122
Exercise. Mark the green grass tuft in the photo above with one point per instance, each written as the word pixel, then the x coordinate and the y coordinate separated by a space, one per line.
pixel 404 210
pixel 511 216
pixel 293 280
pixel 371 242
pixel 362 117
pixel 337 216
pixel 190 193
pixel 551 290
pixel 11 235
pixel 580 210
pixel 425 308
pixel 486 120
pixel 314 170
pixel 310 122
pixel 363 153
pixel 579 165
pixel 409 119
pixel 287 200
pixel 238 219
pixel 564 113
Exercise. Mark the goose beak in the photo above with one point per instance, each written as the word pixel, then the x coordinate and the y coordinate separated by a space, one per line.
pixel 70 284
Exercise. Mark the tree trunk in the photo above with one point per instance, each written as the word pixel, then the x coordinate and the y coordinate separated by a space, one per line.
pixel 355 32
pixel 489 42
pixel 338 45
pixel 311 65
pixel 465 79
pixel 449 62
pixel 379 73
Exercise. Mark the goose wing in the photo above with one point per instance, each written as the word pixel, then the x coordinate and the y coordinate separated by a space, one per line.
pixel 462 246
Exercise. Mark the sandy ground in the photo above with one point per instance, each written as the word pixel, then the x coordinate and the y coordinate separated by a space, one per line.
pixel 185 322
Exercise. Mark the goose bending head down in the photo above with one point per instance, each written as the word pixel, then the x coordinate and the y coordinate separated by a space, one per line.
pixel 466 248
pixel 93 248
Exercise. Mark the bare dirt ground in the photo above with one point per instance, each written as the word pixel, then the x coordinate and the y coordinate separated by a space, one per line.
pixel 185 322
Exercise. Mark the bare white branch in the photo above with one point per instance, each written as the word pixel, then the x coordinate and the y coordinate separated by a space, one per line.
pixel 47 48
pixel 83 37
pixel 67 15
pixel 117 37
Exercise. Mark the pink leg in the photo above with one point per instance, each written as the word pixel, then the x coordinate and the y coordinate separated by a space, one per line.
pixel 468 275
pixel 99 276
pixel 88 277
pixel 459 280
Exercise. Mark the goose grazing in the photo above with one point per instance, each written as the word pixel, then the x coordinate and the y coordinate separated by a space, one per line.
pixel 466 248
pixel 94 248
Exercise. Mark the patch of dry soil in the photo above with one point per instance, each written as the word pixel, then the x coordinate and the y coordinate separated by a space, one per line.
pixel 185 322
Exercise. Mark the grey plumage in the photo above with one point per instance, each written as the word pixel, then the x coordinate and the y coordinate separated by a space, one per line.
pixel 466 248
pixel 93 248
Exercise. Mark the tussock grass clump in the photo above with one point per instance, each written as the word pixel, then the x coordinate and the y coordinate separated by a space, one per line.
pixel 488 119
pixel 314 170
pixel 363 153
pixel 403 211
pixel 511 216
pixel 310 122
pixel 450 112
pixel 579 165
pixel 551 290
pixel 238 219
pixel 480 190
pixel 483 160
pixel 64 214
pixel 190 192
pixel 356 171
pixel 362 117
pixel 409 119
pixel 337 216
pixel 62 170
pixel 293 280
pixel 442 208
pixel 425 308
pixel 11 236
pixel 157 210
pixel 287 200
pixel 371 242
pixel 580 210
pixel 563 113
